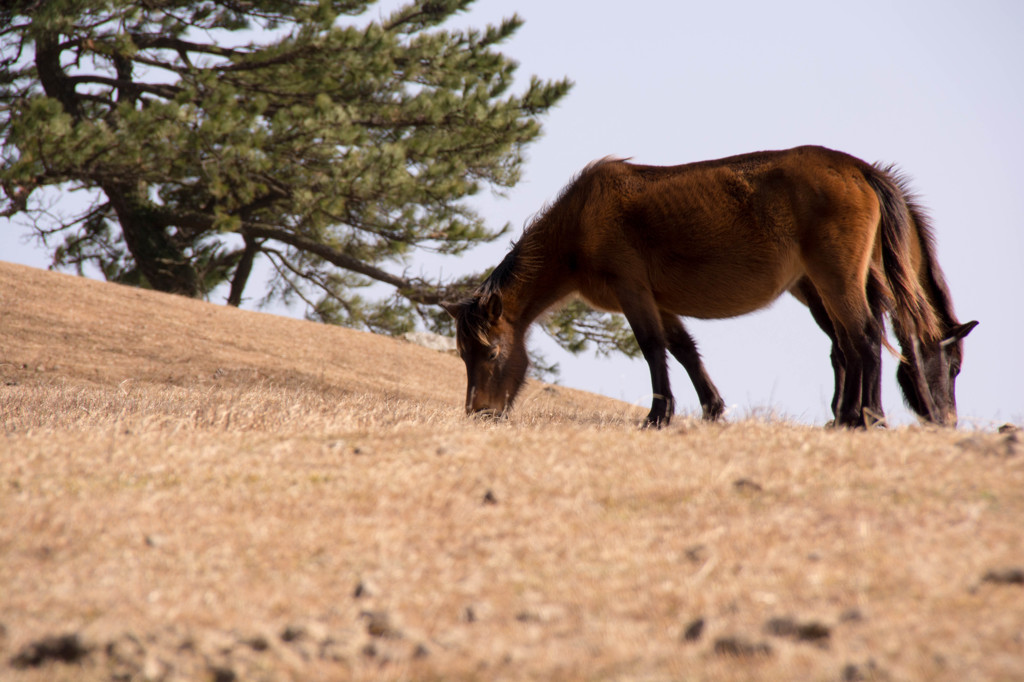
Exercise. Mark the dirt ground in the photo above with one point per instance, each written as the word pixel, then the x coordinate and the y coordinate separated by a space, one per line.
pixel 191 492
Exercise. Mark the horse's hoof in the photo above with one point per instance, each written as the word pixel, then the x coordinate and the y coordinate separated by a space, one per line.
pixel 712 413
pixel 654 422
pixel 850 422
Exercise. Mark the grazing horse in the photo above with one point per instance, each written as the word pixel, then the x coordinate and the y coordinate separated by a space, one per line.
pixel 719 239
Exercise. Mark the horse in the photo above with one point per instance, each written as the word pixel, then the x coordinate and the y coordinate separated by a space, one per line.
pixel 718 239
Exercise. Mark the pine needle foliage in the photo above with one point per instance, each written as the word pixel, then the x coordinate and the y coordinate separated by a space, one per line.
pixel 330 140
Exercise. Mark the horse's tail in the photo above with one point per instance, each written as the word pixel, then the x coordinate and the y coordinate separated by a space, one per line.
pixel 909 305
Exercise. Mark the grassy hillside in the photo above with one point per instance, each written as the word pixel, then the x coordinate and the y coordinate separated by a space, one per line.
pixel 194 492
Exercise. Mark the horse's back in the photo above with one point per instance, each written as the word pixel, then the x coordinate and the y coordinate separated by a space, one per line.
pixel 725 237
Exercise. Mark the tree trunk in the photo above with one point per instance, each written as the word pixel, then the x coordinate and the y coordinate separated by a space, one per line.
pixel 156 256
pixel 51 75
pixel 242 271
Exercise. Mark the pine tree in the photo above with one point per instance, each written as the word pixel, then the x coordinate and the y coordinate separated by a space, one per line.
pixel 212 133
pixel 217 132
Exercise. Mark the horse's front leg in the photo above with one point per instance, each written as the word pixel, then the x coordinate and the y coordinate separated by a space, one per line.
pixel 645 320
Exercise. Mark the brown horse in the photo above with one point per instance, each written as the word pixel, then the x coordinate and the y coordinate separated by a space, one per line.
pixel 719 239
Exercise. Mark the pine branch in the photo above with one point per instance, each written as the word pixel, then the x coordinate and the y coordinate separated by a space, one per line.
pixel 158 89
pixel 164 42
pixel 416 291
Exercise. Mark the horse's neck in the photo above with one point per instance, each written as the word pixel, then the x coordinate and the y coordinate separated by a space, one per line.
pixel 538 283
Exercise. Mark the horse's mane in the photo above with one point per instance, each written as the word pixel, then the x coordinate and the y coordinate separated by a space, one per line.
pixel 525 253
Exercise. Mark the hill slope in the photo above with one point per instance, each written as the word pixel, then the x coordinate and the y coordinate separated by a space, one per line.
pixel 78 330
pixel 194 492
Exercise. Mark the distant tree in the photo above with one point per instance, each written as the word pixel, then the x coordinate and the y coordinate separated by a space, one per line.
pixel 211 133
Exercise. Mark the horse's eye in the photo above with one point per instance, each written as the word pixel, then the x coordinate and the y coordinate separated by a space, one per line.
pixel 494 352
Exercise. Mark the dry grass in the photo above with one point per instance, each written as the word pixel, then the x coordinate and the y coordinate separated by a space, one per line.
pixel 189 492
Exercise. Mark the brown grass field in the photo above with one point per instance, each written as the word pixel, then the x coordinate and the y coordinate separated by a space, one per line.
pixel 192 492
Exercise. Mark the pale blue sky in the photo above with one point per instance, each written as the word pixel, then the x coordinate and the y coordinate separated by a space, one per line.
pixel 933 86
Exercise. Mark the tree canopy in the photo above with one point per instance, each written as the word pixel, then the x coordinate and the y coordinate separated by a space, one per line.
pixel 211 133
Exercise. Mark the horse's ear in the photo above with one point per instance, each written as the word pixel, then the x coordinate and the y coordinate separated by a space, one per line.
pixel 451 308
pixel 958 332
pixel 492 305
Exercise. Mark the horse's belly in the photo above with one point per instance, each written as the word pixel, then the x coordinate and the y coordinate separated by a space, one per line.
pixel 716 293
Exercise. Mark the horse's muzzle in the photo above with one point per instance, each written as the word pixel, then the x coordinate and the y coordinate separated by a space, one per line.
pixel 486 413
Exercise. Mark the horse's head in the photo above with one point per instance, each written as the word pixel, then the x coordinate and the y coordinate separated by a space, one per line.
pixel 495 355
pixel 939 364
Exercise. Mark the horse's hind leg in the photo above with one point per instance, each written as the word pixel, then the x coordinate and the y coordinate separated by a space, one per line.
pixel 859 340
pixel 683 347
pixel 808 295
pixel 862 352
pixel 873 386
